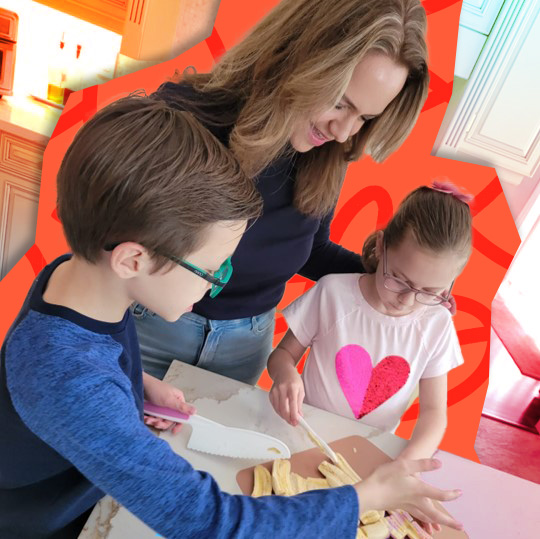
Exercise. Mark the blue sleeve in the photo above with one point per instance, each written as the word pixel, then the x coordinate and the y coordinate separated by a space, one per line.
pixel 328 257
pixel 88 414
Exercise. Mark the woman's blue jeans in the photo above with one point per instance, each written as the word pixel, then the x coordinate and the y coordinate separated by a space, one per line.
pixel 237 348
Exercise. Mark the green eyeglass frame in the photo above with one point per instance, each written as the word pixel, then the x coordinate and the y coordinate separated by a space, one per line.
pixel 217 279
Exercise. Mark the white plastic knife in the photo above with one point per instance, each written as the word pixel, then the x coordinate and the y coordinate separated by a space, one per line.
pixel 318 441
pixel 211 437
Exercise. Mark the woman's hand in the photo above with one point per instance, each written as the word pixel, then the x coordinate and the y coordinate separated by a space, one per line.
pixel 396 486
pixel 287 394
pixel 164 394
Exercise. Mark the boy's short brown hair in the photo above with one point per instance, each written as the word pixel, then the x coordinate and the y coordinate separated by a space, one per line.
pixel 142 171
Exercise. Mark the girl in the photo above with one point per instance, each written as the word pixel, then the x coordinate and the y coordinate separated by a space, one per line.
pixel 313 87
pixel 375 336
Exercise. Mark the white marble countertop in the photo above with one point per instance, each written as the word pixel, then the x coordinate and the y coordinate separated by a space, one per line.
pixel 27 118
pixel 494 504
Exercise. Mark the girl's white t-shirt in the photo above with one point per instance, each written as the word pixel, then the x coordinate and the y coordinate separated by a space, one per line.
pixel 332 316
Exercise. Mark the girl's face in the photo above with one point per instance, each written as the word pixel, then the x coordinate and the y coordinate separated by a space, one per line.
pixel 375 82
pixel 173 290
pixel 418 267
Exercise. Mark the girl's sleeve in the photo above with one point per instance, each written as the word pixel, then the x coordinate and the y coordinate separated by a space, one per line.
pixel 445 354
pixel 304 316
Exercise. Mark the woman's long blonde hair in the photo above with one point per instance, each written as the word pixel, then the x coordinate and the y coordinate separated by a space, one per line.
pixel 299 59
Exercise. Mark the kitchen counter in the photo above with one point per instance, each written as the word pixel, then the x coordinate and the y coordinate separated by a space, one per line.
pixel 28 118
pixel 494 504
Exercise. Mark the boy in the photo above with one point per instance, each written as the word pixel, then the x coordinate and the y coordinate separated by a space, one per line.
pixel 145 195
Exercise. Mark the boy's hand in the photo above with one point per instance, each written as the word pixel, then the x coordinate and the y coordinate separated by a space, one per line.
pixel 428 526
pixel 395 486
pixel 164 394
pixel 287 395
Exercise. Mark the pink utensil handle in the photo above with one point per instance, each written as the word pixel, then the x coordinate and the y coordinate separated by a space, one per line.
pixel 154 409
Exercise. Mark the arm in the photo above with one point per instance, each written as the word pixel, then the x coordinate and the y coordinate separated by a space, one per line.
pixel 76 399
pixel 104 438
pixel 431 423
pixel 287 392
pixel 329 257
pixel 164 394
pixel 396 485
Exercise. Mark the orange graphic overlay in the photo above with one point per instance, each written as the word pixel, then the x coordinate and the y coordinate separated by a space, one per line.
pixel 370 194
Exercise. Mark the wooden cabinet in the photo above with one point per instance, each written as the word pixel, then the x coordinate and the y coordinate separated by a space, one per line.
pixel 159 30
pixel 497 120
pixel 152 30
pixel 20 172
pixel 109 14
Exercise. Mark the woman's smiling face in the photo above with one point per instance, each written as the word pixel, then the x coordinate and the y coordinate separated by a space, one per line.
pixel 376 81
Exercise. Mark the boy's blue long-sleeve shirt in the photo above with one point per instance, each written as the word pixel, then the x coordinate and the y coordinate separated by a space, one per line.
pixel 71 421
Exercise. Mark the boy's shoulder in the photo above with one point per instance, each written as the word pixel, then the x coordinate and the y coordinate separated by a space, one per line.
pixel 41 341
pixel 55 331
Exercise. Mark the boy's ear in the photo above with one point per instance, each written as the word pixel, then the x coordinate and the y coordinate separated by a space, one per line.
pixel 379 244
pixel 129 260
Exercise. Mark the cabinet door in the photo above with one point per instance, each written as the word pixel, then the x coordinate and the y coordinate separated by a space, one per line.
pixel 20 171
pixel 469 46
pixel 157 31
pixel 498 119
pixel 109 14
pixel 479 15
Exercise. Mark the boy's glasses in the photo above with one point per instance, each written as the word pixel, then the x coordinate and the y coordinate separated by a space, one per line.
pixel 397 285
pixel 217 279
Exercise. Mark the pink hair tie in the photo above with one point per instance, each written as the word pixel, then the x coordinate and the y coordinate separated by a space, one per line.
pixel 450 189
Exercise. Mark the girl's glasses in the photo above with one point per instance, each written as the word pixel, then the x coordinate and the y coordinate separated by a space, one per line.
pixel 218 279
pixel 400 287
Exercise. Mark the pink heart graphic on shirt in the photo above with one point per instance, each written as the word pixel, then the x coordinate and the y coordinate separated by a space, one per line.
pixel 366 387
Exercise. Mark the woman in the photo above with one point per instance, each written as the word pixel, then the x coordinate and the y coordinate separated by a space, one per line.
pixel 310 89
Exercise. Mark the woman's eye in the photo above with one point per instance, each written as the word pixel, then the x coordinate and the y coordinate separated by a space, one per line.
pixel 339 107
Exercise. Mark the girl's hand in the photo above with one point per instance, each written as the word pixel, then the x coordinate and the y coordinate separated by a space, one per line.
pixel 164 394
pixel 287 395
pixel 395 486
